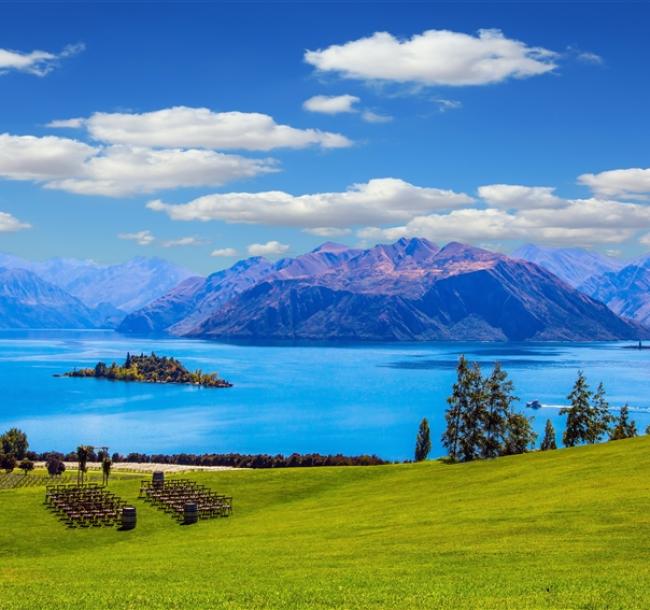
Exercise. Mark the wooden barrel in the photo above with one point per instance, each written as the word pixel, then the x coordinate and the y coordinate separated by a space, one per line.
pixel 190 513
pixel 128 517
pixel 158 478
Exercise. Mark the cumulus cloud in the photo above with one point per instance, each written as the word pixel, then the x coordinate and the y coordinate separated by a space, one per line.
pixel 124 170
pixel 380 200
pixel 224 252
pixel 183 241
pixel 184 127
pixel 46 158
pixel 435 57
pixel 142 238
pixel 633 183
pixel 270 248
pixel 38 63
pixel 507 196
pixel 331 104
pixel 10 224
pixel 515 212
pixel 76 167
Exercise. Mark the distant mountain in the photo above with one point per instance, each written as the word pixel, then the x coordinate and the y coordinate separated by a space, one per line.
pixel 117 289
pixel 179 311
pixel 626 292
pixel 409 290
pixel 573 265
pixel 27 301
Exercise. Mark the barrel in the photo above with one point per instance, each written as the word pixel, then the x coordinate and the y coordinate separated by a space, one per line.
pixel 190 513
pixel 128 517
pixel 158 478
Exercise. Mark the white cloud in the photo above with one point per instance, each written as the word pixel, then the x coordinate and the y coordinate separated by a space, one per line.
pixel 624 183
pixel 328 231
pixel 380 200
pixel 445 104
pixel 142 238
pixel 46 158
pixel 270 248
pixel 507 196
pixel 373 117
pixel 516 212
pixel 590 58
pixel 183 241
pixel 38 63
pixel 435 57
pixel 123 170
pixel 75 123
pixel 76 167
pixel 224 252
pixel 331 104
pixel 645 239
pixel 9 223
pixel 184 127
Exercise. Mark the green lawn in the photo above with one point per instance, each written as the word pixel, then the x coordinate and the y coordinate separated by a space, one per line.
pixel 564 529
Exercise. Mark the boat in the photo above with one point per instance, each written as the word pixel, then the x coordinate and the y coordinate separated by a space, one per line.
pixel 534 404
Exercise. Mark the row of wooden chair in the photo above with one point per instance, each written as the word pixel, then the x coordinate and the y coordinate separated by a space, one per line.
pixel 174 495
pixel 88 505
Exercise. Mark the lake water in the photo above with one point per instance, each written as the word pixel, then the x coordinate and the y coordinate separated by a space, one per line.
pixel 351 399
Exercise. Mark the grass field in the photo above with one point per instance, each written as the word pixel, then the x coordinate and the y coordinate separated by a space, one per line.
pixel 563 529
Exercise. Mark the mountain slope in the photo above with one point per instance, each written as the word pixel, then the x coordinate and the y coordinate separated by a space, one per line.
pixel 506 300
pixel 27 301
pixel 196 299
pixel 626 292
pixel 573 265
pixel 119 288
pixel 409 290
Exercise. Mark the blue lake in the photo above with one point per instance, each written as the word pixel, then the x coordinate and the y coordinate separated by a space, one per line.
pixel 352 399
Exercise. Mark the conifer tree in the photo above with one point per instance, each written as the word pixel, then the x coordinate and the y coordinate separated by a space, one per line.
pixel 520 436
pixel 499 398
pixel 600 416
pixel 548 442
pixel 471 437
pixel 579 415
pixel 624 428
pixel 423 441
pixel 458 404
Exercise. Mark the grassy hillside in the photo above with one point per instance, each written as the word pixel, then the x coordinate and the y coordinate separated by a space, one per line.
pixel 564 529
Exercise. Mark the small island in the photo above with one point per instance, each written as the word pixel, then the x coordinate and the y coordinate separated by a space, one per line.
pixel 151 369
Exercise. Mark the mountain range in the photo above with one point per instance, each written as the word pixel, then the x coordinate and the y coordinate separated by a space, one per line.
pixel 623 286
pixel 71 293
pixel 573 265
pixel 409 290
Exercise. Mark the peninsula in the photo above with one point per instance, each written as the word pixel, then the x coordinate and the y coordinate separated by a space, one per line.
pixel 151 369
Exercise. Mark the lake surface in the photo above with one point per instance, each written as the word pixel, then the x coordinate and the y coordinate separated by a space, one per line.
pixel 351 399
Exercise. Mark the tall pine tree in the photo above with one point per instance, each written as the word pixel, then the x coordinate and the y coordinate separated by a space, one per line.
pixel 423 441
pixel 458 404
pixel 624 428
pixel 579 415
pixel 548 442
pixel 600 416
pixel 472 419
pixel 499 397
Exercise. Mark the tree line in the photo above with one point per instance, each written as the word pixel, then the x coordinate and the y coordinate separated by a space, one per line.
pixel 481 421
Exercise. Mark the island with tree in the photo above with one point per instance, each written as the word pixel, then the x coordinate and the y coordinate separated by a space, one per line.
pixel 151 369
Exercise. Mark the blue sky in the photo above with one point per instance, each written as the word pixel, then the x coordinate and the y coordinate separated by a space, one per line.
pixel 457 135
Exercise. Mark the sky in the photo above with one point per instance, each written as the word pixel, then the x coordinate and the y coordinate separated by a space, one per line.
pixel 207 132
